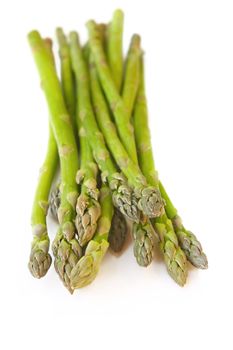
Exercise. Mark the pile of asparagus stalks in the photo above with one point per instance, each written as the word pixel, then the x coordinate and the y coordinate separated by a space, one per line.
pixel 99 141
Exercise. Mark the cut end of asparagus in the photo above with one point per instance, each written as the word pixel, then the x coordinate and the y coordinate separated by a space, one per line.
pixel 144 241
pixel 118 231
pixel 87 267
pixel 88 212
pixel 150 201
pixel 193 249
pixel 124 198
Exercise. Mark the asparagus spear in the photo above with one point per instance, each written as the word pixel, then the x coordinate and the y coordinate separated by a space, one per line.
pixel 118 231
pixel 65 246
pixel 149 200
pixel 114 47
pixel 117 106
pixel 40 259
pixel 88 207
pixel 174 257
pixel 123 196
pixel 143 232
pixel 88 266
pixel 188 241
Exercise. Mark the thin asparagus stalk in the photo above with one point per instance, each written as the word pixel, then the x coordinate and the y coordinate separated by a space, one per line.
pixel 65 247
pixel 118 231
pixel 149 200
pixel 123 195
pixel 187 240
pixel 67 81
pixel 132 74
pixel 174 257
pixel 40 259
pixel 114 47
pixel 88 207
pixel 88 266
pixel 118 109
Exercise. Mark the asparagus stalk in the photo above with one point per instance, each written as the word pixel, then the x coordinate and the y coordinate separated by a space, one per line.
pixel 187 240
pixel 67 81
pixel 132 74
pixel 149 200
pixel 88 207
pixel 40 259
pixel 123 196
pixel 119 111
pixel 65 246
pixel 118 231
pixel 88 266
pixel 114 47
pixel 143 232
pixel 174 257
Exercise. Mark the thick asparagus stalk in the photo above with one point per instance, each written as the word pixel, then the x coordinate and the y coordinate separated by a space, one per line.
pixel 40 259
pixel 88 207
pixel 65 247
pixel 114 47
pixel 119 111
pixel 88 266
pixel 149 199
pixel 188 241
pixel 118 231
pixel 174 257
pixel 123 196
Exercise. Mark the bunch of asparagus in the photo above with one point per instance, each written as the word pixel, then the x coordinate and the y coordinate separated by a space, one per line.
pixel 99 139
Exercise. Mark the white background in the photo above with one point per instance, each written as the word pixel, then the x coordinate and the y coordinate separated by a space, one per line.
pixel 189 70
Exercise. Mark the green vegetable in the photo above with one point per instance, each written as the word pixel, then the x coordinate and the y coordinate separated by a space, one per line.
pixel 149 200
pixel 40 259
pixel 187 240
pixel 88 207
pixel 114 47
pixel 173 255
pixel 65 247
pixel 116 104
pixel 88 266
pixel 123 196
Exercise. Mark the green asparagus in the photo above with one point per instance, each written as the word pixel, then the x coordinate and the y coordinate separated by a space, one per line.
pixel 40 259
pixel 114 47
pixel 123 195
pixel 65 244
pixel 187 240
pixel 173 255
pixel 149 200
pixel 88 207
pixel 118 109
pixel 88 266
